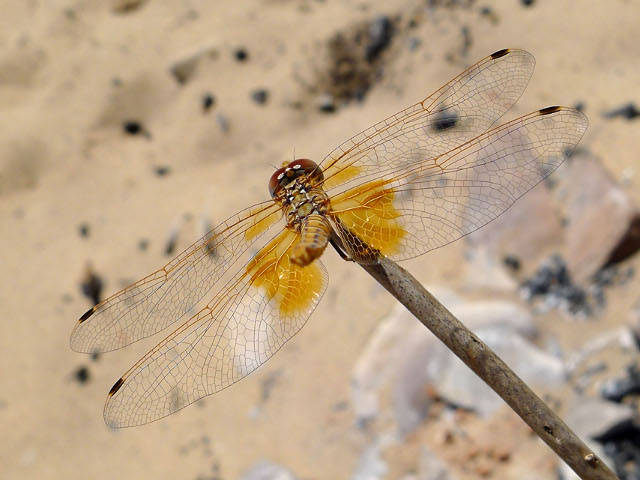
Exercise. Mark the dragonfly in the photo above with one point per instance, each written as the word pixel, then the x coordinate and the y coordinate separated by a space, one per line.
pixel 412 183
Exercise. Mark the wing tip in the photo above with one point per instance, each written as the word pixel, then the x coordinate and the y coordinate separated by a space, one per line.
pixel 87 314
pixel 549 110
pixel 116 387
pixel 500 53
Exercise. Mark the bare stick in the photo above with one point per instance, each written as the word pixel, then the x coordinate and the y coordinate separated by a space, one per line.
pixel 491 369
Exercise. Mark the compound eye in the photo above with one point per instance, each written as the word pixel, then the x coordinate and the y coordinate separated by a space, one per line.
pixel 306 166
pixel 276 180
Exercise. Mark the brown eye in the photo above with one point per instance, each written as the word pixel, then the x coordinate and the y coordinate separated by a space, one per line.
pixel 308 167
pixel 274 182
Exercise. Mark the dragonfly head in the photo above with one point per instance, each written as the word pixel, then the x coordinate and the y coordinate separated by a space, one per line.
pixel 288 173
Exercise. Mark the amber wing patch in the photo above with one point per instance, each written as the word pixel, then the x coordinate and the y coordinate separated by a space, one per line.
pixel 294 288
pixel 368 220
pixel 262 218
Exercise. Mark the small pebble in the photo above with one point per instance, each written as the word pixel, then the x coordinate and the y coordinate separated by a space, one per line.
pixel 207 102
pixel 223 123
pixel 260 96
pixel 380 33
pixel 628 112
pixel 143 244
pixel 512 262
pixel 241 54
pixel 132 127
pixel 161 171
pixel 82 374
pixel 326 103
pixel 527 3
pixel 92 286
pixel 84 230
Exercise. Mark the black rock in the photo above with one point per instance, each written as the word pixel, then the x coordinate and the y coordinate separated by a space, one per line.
pixel 380 33
pixel 143 244
pixel 512 262
pixel 241 54
pixel 132 127
pixel 553 282
pixel 207 102
pixel 628 111
pixel 444 120
pixel 92 286
pixel 260 96
pixel 84 230
pixel 82 374
pixel 527 3
pixel 326 103
pixel 161 171
pixel 618 388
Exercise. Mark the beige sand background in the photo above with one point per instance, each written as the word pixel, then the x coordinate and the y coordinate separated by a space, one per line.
pixel 71 71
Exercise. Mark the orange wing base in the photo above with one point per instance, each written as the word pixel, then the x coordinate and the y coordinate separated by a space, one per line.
pixel 367 211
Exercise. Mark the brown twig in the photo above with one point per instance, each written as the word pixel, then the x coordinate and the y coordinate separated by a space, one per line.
pixel 491 369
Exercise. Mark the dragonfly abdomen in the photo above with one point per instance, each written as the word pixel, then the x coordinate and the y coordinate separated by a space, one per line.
pixel 314 237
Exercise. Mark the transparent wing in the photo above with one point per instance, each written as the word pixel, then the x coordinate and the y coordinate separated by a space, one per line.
pixel 459 111
pixel 251 317
pixel 162 298
pixel 424 205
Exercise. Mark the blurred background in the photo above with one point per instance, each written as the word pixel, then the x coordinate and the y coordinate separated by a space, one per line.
pixel 131 127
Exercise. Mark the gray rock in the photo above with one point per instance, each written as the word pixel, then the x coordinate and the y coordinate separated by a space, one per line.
pixel 371 465
pixel 462 387
pixel 186 65
pixel 601 218
pixel 593 418
pixel 431 467
pixel 266 470
pixel 407 359
pixel 526 230
pixel 386 353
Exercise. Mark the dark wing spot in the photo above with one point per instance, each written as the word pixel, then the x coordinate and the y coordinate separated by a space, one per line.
pixel 116 387
pixel 548 110
pixel 86 315
pixel 445 120
pixel 500 53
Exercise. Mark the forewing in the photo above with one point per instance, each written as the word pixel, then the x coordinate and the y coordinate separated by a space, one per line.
pixel 459 111
pixel 411 210
pixel 263 306
pixel 162 298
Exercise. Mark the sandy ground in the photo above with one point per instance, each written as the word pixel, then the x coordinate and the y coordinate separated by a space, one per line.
pixel 72 71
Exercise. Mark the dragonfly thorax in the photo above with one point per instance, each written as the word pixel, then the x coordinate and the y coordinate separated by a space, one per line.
pixel 296 187
pixel 299 200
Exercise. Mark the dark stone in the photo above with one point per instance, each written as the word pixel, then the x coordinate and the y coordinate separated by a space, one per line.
pixel 628 111
pixel 326 103
pixel 82 374
pixel 161 171
pixel 260 96
pixel 241 54
pixel 616 389
pixel 92 287
pixel 553 282
pixel 444 120
pixel 512 262
pixel 207 102
pixel 143 244
pixel 84 230
pixel 527 3
pixel 380 33
pixel 132 127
